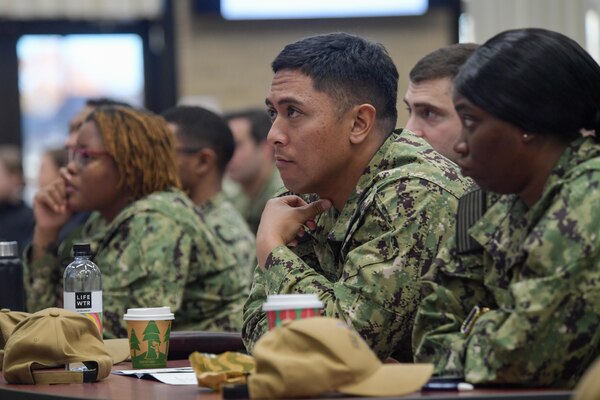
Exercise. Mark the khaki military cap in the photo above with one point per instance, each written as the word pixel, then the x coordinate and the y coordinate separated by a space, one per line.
pixel 8 320
pixel 589 385
pixel 319 355
pixel 52 338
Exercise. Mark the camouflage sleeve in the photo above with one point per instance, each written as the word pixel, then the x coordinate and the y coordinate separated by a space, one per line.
pixel 41 279
pixel 148 269
pixel 450 290
pixel 255 320
pixel 545 331
pixel 377 292
pixel 216 288
pixel 547 339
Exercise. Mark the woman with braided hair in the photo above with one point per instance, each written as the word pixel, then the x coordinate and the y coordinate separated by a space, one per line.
pixel 151 245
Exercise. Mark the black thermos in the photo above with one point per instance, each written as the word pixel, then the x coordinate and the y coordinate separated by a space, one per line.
pixel 12 294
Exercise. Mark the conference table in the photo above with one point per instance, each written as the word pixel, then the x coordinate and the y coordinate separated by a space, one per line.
pixel 126 387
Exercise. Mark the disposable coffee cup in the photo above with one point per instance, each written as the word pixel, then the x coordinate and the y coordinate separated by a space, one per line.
pixel 148 330
pixel 282 307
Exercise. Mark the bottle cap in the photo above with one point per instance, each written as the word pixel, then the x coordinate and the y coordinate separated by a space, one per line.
pixel 9 249
pixel 81 249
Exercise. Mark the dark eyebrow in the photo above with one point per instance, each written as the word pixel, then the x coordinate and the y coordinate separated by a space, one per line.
pixel 461 107
pixel 423 104
pixel 282 101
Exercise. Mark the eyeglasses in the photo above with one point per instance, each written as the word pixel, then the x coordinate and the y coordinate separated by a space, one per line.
pixel 82 157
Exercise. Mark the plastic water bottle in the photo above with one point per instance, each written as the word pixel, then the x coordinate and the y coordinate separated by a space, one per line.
pixel 12 294
pixel 82 283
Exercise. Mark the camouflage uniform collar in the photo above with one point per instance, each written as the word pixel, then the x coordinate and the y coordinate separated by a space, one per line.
pixel 381 161
pixel 394 158
pixel 211 203
pixel 97 229
pixel 581 156
pixel 510 213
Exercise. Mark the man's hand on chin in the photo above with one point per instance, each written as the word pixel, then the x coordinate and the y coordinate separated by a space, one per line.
pixel 283 220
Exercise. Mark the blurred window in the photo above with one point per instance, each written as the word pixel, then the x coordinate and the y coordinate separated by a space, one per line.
pixel 57 73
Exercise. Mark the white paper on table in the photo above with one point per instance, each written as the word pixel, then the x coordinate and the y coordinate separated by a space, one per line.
pixel 171 376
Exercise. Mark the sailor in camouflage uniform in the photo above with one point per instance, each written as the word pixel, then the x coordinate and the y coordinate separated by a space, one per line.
pixel 232 230
pixel 252 178
pixel 204 145
pixel 150 245
pixel 375 204
pixel 514 299
pixel 251 208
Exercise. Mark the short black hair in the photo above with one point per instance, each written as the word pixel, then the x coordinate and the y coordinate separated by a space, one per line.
pixel 538 80
pixel 348 68
pixel 442 63
pixel 200 127
pixel 260 123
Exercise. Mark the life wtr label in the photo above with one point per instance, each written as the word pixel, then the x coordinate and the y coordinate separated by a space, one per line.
pixel 87 303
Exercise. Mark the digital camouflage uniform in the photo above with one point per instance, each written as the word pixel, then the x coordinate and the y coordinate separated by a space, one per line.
pixel 537 272
pixel 251 209
pixel 365 262
pixel 232 230
pixel 156 252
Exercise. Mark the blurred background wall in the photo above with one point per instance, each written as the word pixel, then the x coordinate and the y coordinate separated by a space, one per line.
pixel 183 51
pixel 230 60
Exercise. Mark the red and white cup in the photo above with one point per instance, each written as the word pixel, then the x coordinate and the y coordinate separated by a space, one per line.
pixel 282 307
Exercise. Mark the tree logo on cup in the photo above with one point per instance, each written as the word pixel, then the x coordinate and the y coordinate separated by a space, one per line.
pixel 149 330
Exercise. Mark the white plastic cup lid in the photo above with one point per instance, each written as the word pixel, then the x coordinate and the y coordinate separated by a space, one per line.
pixel 291 302
pixel 149 314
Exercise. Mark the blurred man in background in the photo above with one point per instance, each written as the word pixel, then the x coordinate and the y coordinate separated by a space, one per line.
pixel 252 166
pixel 429 97
pixel 16 217
pixel 204 146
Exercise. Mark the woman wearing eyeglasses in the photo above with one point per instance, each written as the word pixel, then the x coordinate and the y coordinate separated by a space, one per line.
pixel 152 247
pixel 524 308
